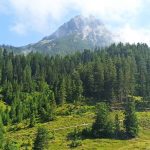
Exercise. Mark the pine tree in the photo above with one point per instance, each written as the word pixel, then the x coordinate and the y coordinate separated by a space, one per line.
pixel 33 112
pixel 9 68
pixel 27 79
pixel 88 80
pixel 117 126
pixel 6 117
pixel 110 78
pixel 47 106
pixel 69 89
pixel 102 127
pixel 131 122
pixel 41 140
pixel 77 87
pixel 62 92
pixel 8 92
pixel 120 81
pixel 32 120
pixel 98 80
pixel 51 109
pixel 19 112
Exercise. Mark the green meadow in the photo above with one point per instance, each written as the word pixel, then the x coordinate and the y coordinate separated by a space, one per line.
pixel 66 123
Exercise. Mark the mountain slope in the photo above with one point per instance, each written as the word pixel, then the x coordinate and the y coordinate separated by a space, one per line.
pixel 75 35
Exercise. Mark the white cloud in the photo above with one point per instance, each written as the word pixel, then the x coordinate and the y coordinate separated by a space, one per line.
pixel 19 28
pixel 38 15
pixel 2 6
pixel 118 10
pixel 132 35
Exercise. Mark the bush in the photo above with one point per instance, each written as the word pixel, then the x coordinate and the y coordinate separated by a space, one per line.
pixel 75 143
pixel 11 145
pixel 86 132
pixel 75 136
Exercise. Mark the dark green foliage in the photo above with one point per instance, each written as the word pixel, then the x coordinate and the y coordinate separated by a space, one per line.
pixel 5 116
pixel 102 127
pixel 62 92
pixel 87 133
pixel 37 82
pixel 8 91
pixel 11 145
pixel 2 137
pixel 75 143
pixel 33 86
pixel 117 126
pixel 27 79
pixel 32 120
pixel 75 137
pixel 41 140
pixel 47 106
pixel 19 112
pixel 131 122
pixel 77 88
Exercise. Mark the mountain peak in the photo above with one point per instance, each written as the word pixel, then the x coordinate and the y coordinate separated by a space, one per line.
pixel 81 21
pixel 86 19
pixel 78 25
pixel 78 33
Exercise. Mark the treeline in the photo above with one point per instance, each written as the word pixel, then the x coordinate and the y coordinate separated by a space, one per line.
pixel 33 85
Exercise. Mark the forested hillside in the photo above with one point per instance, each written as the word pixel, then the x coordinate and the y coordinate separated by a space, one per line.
pixel 33 86
pixel 35 83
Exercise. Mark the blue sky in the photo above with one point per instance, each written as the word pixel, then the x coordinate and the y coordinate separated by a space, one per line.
pixel 27 21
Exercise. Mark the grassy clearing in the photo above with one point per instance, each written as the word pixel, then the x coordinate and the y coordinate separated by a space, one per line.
pixel 25 136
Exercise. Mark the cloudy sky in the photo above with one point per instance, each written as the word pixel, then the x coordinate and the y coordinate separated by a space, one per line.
pixel 27 21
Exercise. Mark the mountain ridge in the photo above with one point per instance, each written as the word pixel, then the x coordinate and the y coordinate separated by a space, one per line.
pixel 77 34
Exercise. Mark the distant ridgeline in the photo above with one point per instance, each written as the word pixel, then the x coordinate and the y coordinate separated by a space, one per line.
pixel 35 84
pixel 10 48
pixel 77 34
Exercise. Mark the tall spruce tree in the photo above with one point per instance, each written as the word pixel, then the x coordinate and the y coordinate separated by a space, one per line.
pixel 62 92
pixel 102 127
pixel 77 87
pixel 98 80
pixel 131 121
pixel 117 126
pixel 27 79
pixel 32 120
